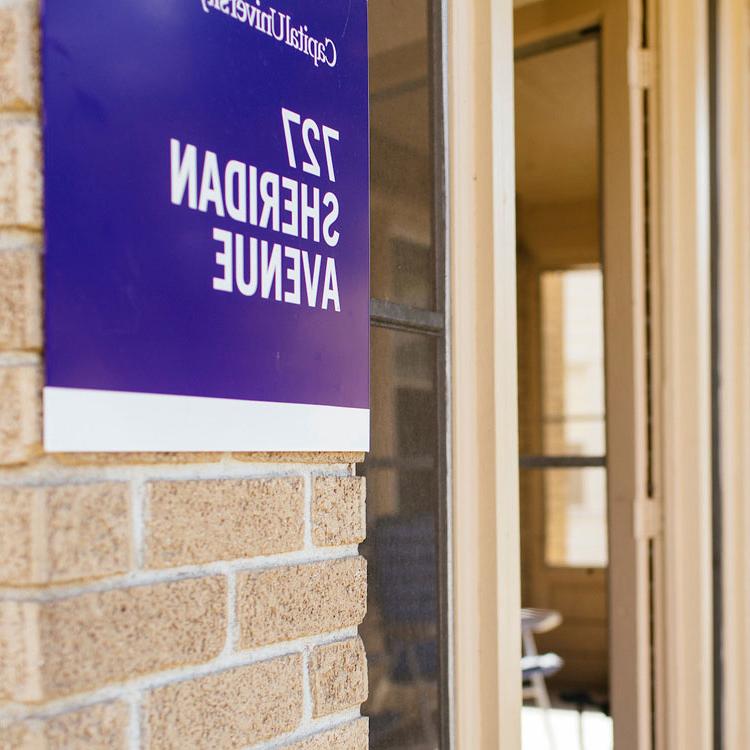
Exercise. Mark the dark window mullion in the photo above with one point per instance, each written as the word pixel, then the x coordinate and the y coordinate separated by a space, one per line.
pixel 562 462
pixel 394 315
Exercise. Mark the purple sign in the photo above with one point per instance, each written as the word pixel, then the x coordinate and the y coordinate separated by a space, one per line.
pixel 207 220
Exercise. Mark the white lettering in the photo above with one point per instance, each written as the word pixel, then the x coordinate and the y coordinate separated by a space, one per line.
pixel 291 205
pixel 331 287
pixel 250 286
pixel 252 179
pixel 331 237
pixel 184 174
pixel 224 259
pixel 270 270
pixel 236 203
pixel 331 60
pixel 311 281
pixel 269 194
pixel 249 265
pixel 288 117
pixel 310 212
pixel 329 134
pixel 293 296
pixel 278 25
pixel 211 185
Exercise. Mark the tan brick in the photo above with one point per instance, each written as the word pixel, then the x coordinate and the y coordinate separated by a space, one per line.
pixel 301 458
pixel 94 639
pixel 100 727
pixel 115 459
pixel 338 511
pixel 20 300
pixel 282 604
pixel 16 534
pixel 352 736
pixel 19 737
pixel 19 651
pixel 64 533
pixel 338 676
pixel 20 414
pixel 20 175
pixel 19 56
pixel 229 710
pixel 201 521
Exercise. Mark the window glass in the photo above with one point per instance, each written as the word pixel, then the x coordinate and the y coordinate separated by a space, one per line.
pixel 401 628
pixel 403 257
pixel 402 631
pixel 575 517
pixel 572 362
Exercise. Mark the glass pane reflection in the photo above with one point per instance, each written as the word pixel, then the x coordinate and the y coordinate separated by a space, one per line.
pixel 401 627
pixel 403 257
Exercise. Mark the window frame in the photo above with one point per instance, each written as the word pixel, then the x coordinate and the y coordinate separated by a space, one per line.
pixel 435 323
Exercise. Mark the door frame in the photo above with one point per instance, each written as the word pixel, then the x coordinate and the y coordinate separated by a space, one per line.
pixel 486 541
pixel 670 516
pixel 486 531
pixel 733 216
pixel 684 615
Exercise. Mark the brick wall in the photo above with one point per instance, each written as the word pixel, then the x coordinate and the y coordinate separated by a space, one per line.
pixel 157 600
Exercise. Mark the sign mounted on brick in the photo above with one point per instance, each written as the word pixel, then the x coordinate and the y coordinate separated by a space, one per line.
pixel 207 222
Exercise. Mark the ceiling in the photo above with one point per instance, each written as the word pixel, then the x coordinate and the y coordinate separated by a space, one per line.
pixel 557 125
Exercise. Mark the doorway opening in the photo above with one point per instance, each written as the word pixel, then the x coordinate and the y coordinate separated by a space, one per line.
pixel 562 416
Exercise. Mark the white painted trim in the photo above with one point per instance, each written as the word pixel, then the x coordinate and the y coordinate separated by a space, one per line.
pixel 82 420
pixel 486 536
pixel 624 254
pixel 734 258
pixel 684 586
pixel 507 521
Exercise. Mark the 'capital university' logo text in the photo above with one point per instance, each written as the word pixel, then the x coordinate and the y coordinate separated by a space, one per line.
pixel 278 25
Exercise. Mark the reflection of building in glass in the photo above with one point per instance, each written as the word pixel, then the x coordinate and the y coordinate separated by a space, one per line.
pixel 405 467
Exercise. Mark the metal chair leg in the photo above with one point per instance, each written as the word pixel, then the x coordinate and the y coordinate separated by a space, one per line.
pixel 541 696
pixel 542 700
